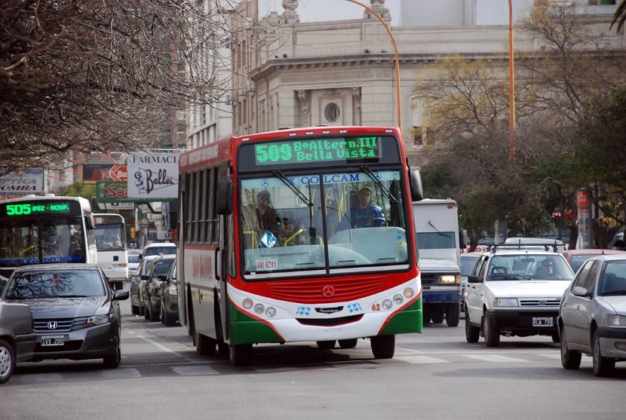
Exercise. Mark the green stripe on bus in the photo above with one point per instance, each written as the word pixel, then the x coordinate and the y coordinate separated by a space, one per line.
pixel 406 321
pixel 245 330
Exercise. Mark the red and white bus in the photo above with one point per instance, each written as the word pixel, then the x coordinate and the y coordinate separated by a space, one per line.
pixel 299 235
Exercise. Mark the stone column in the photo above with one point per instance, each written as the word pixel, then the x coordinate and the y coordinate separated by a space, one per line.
pixel 290 15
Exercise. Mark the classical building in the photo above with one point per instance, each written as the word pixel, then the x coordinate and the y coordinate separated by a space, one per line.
pixel 289 73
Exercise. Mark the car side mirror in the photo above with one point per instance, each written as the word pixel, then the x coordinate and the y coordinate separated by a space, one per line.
pixel 144 277
pixel 474 279
pixel 120 295
pixel 417 189
pixel 580 291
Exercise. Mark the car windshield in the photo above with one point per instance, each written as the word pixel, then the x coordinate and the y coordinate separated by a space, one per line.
pixel 435 240
pixel 529 267
pixel 56 284
pixel 613 280
pixel 296 223
pixel 467 264
pixel 577 260
pixel 162 267
pixel 159 250
pixel 48 241
pixel 110 237
pixel 134 259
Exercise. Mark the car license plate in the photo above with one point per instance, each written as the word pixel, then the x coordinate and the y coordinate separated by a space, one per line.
pixel 52 341
pixel 543 322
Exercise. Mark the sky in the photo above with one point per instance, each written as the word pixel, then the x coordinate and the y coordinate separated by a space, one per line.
pixel 490 12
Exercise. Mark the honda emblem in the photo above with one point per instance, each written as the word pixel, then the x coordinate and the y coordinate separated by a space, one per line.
pixel 52 325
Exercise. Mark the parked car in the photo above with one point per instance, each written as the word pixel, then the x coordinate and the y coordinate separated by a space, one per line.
pixel 75 312
pixel 150 286
pixel 592 318
pixel 17 340
pixel 169 298
pixel 576 257
pixel 159 248
pixel 134 262
pixel 136 303
pixel 536 243
pixel 515 292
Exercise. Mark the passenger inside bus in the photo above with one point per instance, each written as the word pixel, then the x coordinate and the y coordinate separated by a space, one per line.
pixel 266 216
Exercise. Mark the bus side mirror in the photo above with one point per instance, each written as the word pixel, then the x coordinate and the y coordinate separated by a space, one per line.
pixel 224 200
pixel 417 190
pixel 89 222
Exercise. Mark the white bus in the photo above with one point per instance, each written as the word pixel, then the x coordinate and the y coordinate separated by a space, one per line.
pixel 45 230
pixel 112 250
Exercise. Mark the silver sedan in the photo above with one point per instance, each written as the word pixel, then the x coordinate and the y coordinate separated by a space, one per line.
pixel 592 317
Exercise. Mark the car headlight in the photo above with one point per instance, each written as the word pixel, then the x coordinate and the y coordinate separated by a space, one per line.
pixel 172 290
pixel 617 321
pixel 505 302
pixel 98 320
pixel 450 279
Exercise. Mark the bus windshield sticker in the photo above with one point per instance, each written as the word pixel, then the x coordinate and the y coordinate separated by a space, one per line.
pixel 329 179
pixel 317 150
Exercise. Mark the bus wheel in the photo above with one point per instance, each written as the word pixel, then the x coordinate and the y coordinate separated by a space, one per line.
pixel 326 345
pixel 453 314
pixel 383 346
pixel 240 354
pixel 348 344
pixel 205 346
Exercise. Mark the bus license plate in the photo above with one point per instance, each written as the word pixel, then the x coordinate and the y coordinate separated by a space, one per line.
pixel 52 341
pixel 543 322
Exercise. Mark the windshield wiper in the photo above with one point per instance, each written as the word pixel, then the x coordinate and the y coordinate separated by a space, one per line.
pixel 437 231
pixel 302 196
pixel 367 171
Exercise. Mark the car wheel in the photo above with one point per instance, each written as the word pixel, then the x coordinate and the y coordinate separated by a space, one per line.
pixel 348 344
pixel 168 319
pixel 570 359
pixel 490 331
pixel 453 314
pixel 326 345
pixel 154 316
pixel 7 361
pixel 240 354
pixel 112 361
pixel 146 313
pixel 555 337
pixel 383 346
pixel 472 333
pixel 602 366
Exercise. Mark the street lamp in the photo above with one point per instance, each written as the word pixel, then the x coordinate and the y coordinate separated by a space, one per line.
pixel 396 52
pixel 512 111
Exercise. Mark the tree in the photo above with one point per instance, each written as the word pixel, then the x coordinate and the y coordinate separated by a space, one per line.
pixel 98 74
pixel 620 16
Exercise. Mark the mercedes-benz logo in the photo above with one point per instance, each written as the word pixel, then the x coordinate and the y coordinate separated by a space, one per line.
pixel 328 291
pixel 52 325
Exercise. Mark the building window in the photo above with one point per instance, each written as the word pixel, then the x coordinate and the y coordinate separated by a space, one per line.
pixel 332 112
pixel 603 2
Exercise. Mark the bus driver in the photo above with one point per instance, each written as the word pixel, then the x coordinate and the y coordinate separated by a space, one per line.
pixel 367 214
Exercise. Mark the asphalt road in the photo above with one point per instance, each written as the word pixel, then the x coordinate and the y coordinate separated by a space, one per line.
pixel 435 375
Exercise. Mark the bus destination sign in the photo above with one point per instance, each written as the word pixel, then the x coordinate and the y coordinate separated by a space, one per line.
pixel 317 150
pixel 36 209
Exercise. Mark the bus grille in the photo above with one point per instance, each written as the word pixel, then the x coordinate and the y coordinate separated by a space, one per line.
pixel 329 322
pixel 318 291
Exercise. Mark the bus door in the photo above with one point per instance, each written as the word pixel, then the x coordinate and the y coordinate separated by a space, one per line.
pixel 223 253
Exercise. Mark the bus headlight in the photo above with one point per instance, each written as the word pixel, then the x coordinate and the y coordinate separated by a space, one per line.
pixel 270 312
pixel 398 299
pixel 408 293
pixel 259 308
pixel 247 303
pixel 387 304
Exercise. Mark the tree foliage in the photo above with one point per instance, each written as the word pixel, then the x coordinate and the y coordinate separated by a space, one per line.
pixel 98 74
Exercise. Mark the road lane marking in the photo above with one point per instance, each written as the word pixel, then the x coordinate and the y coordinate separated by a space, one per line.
pixel 420 360
pixel 194 370
pixel 162 347
pixel 495 358
pixel 120 373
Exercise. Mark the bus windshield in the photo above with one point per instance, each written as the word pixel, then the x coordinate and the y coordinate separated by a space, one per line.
pixel 323 221
pixel 110 237
pixel 59 240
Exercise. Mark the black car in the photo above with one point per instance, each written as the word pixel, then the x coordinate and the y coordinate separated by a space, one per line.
pixel 16 337
pixel 75 313
pixel 150 286
pixel 169 298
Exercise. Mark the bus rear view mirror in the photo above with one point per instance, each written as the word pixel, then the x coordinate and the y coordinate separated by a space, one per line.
pixel 417 190
pixel 224 189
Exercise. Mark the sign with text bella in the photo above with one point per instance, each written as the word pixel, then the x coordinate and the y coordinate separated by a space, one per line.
pixel 153 176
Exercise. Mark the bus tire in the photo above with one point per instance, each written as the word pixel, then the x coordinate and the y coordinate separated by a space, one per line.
pixel 205 346
pixel 383 346
pixel 240 354
pixel 326 345
pixel 453 314
pixel 348 344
